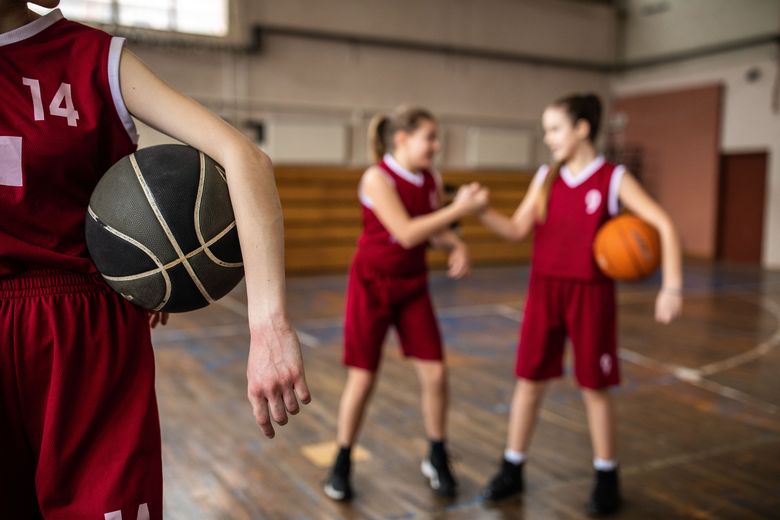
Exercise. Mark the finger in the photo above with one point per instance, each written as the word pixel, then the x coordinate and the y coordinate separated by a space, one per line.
pixel 302 390
pixel 290 402
pixel 276 407
pixel 153 320
pixel 164 318
pixel 262 419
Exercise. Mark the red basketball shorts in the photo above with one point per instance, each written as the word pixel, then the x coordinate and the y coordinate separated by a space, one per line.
pixel 376 302
pixel 585 312
pixel 78 413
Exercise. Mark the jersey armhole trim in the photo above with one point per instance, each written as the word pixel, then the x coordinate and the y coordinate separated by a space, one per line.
pixel 114 57
pixel 540 175
pixel 613 204
pixel 365 200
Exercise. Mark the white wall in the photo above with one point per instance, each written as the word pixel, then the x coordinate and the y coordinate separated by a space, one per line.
pixel 347 83
pixel 546 27
pixel 654 28
pixel 749 122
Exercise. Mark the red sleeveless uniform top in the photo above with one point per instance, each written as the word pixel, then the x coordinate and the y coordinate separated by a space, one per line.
pixel 377 248
pixel 577 208
pixel 63 123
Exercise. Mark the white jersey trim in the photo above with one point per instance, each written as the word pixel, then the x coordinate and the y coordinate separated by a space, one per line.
pixel 587 172
pixel 114 58
pixel 365 199
pixel 31 29
pixel 418 179
pixel 613 202
pixel 540 175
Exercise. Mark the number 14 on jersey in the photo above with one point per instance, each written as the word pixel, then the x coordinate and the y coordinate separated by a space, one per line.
pixel 61 105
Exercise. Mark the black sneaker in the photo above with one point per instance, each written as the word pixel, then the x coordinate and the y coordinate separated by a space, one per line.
pixel 508 482
pixel 605 498
pixel 337 487
pixel 440 477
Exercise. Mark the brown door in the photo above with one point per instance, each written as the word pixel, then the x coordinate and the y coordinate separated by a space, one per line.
pixel 741 207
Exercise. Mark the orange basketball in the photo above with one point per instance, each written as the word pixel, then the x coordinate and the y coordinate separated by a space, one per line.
pixel 627 248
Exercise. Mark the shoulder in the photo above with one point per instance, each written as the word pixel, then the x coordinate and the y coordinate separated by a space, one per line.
pixel 540 175
pixel 375 174
pixel 79 33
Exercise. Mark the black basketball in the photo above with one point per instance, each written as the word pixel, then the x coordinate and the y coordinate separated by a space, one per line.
pixel 161 230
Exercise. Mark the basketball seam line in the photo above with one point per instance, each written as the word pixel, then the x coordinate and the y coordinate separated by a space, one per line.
pixel 176 262
pixel 168 231
pixel 198 231
pixel 140 246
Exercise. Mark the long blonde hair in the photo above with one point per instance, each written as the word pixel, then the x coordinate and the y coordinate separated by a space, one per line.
pixel 580 107
pixel 383 127
pixel 544 194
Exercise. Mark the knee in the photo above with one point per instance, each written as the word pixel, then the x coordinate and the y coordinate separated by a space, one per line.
pixel 361 381
pixel 530 390
pixel 596 397
pixel 435 376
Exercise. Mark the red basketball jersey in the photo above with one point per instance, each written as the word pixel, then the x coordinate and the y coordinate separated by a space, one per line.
pixel 578 206
pixel 419 193
pixel 63 123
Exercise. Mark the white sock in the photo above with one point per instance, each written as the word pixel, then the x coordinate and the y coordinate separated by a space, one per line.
pixel 605 464
pixel 515 457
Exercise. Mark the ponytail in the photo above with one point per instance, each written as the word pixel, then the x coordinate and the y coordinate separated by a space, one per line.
pixel 378 136
pixel 544 195
pixel 383 127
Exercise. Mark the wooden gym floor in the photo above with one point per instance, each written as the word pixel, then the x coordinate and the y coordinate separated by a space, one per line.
pixel 698 423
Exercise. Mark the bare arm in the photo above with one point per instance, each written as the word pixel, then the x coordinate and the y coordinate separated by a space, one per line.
pixel 636 199
pixel 412 231
pixel 522 221
pixel 459 260
pixel 275 368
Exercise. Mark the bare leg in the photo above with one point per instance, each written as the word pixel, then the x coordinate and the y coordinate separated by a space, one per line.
pixel 435 397
pixel 522 417
pixel 357 391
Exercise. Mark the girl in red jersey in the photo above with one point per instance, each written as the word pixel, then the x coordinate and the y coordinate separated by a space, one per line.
pixel 567 294
pixel 78 413
pixel 388 283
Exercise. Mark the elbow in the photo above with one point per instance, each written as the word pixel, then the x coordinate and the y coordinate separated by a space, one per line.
pixel 665 227
pixel 517 234
pixel 406 241
pixel 407 238
pixel 241 150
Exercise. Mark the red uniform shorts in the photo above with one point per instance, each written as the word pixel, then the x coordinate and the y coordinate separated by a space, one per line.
pixel 374 302
pixel 78 413
pixel 584 312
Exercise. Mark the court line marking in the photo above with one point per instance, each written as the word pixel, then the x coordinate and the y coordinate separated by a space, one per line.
pixel 758 351
pixel 693 376
pixel 674 460
pixel 214 331
pixel 240 308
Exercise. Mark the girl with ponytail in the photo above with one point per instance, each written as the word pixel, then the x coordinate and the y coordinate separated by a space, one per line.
pixel 568 296
pixel 388 283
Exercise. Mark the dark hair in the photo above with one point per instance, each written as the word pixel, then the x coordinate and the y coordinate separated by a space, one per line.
pixel 580 107
pixel 583 107
pixel 383 127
